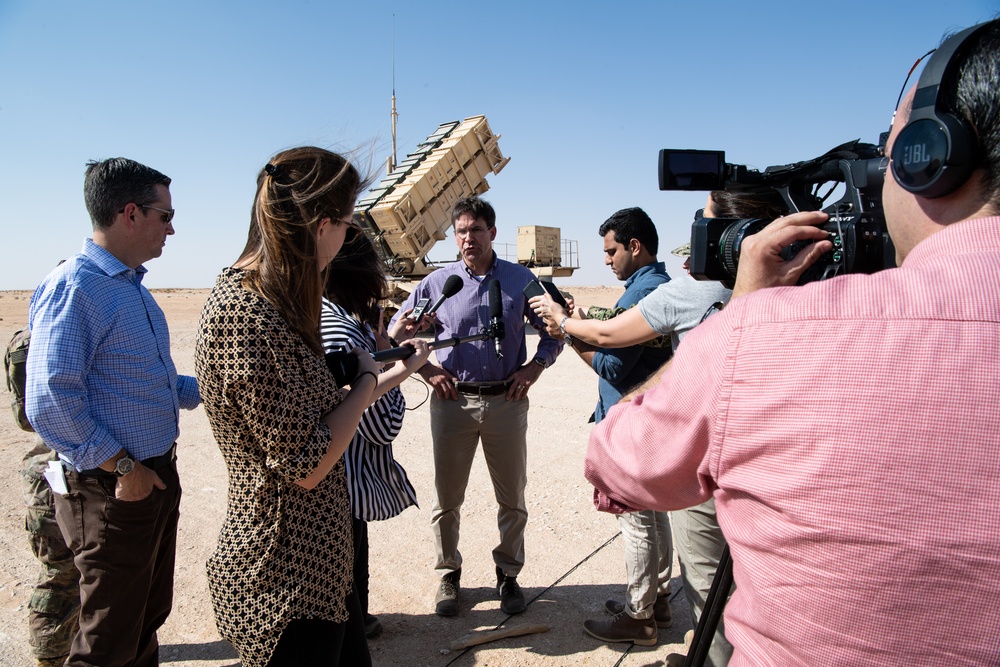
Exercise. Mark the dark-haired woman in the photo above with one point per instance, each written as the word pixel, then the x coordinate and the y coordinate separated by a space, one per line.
pixel 280 577
pixel 377 483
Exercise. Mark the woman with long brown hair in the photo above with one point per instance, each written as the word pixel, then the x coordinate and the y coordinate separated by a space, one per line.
pixel 280 578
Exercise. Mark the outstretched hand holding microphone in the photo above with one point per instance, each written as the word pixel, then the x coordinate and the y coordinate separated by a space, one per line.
pixel 416 320
pixel 344 365
pixel 347 366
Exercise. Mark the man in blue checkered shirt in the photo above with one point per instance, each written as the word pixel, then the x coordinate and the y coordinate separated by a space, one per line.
pixel 103 392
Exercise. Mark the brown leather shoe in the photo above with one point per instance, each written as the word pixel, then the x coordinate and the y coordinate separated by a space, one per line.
pixel 661 610
pixel 623 628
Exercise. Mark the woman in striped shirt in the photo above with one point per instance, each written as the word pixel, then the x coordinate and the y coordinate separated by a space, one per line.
pixel 377 483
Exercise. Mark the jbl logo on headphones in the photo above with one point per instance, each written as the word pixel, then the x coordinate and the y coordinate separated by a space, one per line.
pixel 935 152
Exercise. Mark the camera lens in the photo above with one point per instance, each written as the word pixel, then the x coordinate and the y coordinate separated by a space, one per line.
pixel 731 240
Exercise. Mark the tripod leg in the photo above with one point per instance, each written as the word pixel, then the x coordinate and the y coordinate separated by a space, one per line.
pixel 718 595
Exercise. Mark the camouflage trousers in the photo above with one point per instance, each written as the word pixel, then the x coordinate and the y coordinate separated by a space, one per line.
pixel 54 609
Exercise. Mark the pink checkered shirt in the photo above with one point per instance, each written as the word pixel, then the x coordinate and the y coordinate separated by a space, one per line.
pixel 849 431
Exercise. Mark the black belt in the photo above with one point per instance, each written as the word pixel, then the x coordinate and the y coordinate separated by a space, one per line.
pixel 153 463
pixel 482 388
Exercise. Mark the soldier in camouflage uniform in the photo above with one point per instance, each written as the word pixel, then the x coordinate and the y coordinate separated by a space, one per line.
pixel 54 609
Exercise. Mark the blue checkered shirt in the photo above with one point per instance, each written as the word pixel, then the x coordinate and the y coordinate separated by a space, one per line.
pixel 100 376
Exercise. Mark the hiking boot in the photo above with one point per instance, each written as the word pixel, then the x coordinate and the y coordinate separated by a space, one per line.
pixel 52 662
pixel 661 610
pixel 446 601
pixel 623 628
pixel 511 597
pixel 373 626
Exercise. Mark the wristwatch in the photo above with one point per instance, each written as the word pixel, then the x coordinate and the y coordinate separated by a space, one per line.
pixel 540 362
pixel 562 328
pixel 124 465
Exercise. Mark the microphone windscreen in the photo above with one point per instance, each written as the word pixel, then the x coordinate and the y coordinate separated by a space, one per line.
pixel 495 300
pixel 451 286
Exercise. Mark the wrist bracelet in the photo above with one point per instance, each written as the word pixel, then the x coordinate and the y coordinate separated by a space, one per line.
pixel 361 375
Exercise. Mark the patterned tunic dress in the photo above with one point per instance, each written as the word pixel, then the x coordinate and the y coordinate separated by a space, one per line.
pixel 284 552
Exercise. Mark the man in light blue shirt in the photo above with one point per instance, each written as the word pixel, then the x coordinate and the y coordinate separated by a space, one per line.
pixel 103 392
pixel 630 247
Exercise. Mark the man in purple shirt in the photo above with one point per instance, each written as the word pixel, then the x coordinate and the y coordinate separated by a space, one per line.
pixel 481 396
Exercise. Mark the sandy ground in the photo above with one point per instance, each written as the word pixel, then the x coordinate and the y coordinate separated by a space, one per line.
pixel 574 557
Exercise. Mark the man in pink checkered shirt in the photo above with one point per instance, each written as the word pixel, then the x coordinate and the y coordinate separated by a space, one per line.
pixel 849 429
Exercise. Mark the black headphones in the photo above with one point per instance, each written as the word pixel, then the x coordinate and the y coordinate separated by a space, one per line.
pixel 935 152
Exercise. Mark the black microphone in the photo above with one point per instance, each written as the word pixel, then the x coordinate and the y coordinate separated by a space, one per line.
pixel 496 316
pixel 451 288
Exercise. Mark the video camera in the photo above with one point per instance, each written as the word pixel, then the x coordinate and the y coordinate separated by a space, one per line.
pixel 856 225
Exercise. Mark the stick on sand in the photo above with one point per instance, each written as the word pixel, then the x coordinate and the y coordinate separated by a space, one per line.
pixel 477 638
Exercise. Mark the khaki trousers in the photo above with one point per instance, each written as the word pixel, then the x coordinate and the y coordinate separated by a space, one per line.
pixel 649 559
pixel 457 428
pixel 699 543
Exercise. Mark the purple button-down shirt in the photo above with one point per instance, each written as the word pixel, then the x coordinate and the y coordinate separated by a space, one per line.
pixel 468 313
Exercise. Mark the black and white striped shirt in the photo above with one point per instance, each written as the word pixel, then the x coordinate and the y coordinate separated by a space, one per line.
pixel 378 484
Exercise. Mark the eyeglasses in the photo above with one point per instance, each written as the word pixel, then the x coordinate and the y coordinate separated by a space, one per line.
pixel 168 212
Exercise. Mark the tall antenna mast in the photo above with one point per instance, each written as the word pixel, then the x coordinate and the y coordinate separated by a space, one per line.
pixel 391 165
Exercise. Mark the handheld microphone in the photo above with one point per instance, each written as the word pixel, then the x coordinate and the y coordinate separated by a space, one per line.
pixel 496 316
pixel 451 288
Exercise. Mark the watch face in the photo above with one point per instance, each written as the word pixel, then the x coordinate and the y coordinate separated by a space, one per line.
pixel 124 466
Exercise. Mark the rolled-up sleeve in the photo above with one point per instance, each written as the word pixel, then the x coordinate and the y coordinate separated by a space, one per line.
pixel 548 347
pixel 654 452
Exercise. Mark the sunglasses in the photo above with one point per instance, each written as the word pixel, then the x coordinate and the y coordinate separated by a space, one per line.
pixel 353 230
pixel 168 212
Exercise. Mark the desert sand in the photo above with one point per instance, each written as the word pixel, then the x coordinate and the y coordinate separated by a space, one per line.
pixel 574 558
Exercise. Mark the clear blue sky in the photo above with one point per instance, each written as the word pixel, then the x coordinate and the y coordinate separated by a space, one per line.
pixel 583 93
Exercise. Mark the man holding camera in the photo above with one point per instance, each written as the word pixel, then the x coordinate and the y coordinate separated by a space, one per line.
pixel 848 429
